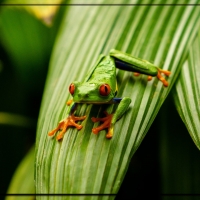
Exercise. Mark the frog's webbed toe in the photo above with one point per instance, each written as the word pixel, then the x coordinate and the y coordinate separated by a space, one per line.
pixel 64 124
pixel 106 124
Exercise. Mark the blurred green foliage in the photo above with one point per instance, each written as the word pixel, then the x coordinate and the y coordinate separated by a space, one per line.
pixel 25 48
pixel 23 179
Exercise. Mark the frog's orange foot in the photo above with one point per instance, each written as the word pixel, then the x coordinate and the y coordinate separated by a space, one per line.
pixel 148 77
pixel 161 78
pixel 136 74
pixel 106 124
pixel 69 102
pixel 63 125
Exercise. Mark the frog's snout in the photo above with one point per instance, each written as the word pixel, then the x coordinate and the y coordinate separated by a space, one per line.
pixel 83 96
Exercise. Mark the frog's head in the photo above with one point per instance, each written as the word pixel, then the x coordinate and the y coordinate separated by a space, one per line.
pixel 91 92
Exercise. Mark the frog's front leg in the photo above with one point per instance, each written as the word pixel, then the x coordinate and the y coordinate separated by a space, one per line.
pixel 68 122
pixel 110 119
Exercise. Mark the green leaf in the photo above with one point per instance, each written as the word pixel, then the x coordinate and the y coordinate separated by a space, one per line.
pixel 187 92
pixel 23 179
pixel 83 162
pixel 28 44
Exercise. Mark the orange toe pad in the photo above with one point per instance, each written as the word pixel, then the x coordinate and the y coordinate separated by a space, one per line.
pixel 161 78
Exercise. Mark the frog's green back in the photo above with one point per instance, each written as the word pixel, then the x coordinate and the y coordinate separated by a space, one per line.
pixel 104 72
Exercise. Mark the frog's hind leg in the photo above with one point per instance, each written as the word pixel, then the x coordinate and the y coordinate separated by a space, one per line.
pixel 159 76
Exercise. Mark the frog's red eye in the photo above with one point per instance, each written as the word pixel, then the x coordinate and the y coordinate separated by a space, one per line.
pixel 72 88
pixel 104 90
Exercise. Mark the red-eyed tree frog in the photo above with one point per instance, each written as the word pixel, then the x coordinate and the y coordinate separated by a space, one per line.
pixel 100 87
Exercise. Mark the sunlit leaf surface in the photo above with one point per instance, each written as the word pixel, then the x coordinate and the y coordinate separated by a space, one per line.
pixel 84 162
